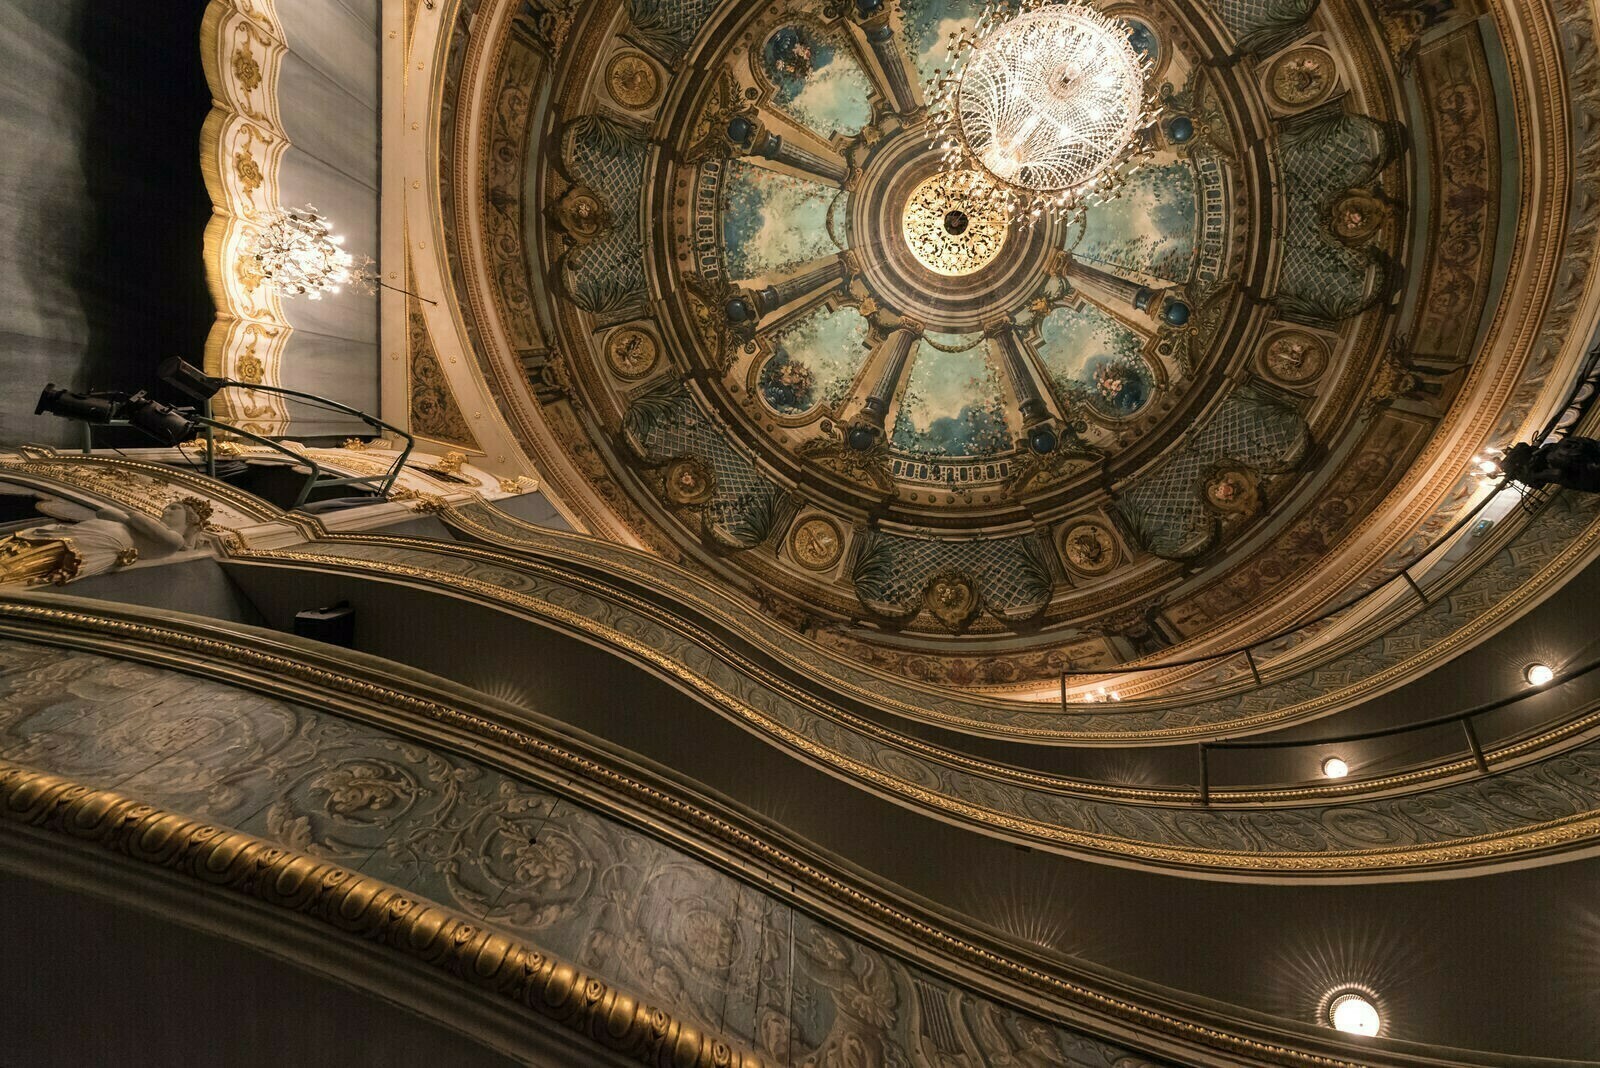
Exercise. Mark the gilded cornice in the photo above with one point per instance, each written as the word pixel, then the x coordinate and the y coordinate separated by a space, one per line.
pixel 1130 724
pixel 367 690
pixel 242 146
pixel 1312 842
pixel 353 904
pixel 142 485
pixel 139 484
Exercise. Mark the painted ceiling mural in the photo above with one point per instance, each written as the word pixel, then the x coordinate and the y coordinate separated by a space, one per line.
pixel 1050 447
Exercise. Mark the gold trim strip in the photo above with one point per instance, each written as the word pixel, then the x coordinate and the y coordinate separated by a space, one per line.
pixel 588 779
pixel 951 758
pixel 1474 630
pixel 1542 837
pixel 368 909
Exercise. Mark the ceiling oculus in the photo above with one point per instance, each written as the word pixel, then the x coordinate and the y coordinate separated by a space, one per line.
pixel 1042 107
pixel 950 230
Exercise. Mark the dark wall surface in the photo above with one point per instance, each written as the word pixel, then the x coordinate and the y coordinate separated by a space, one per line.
pixel 94 983
pixel 102 206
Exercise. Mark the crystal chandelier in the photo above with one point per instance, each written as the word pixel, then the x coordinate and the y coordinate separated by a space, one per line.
pixel 297 251
pixel 1042 106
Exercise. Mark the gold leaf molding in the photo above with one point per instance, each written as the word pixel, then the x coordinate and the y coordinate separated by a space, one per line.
pixel 368 909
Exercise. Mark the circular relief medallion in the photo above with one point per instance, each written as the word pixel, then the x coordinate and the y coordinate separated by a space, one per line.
pixel 688 482
pixel 950 231
pixel 582 214
pixel 817 543
pixel 1301 77
pixel 633 81
pixel 1357 216
pixel 952 599
pixel 1233 491
pixel 1089 548
pixel 1295 357
pixel 632 353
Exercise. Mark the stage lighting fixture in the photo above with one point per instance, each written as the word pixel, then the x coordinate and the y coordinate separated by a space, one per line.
pixel 190 379
pixel 91 408
pixel 166 424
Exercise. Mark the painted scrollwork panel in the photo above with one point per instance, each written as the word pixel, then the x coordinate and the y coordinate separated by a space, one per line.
pixel 1235 838
pixel 242 148
pixel 501 850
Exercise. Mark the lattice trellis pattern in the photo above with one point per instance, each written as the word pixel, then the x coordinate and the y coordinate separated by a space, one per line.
pixel 606 277
pixel 669 27
pixel 1009 573
pixel 1261 25
pixel 1322 279
pixel 1165 509
pixel 667 424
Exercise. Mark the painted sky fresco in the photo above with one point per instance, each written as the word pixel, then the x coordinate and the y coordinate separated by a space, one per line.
pixel 952 404
pixel 928 26
pixel 1095 360
pixel 1147 232
pixel 817 80
pixel 814 362
pixel 773 222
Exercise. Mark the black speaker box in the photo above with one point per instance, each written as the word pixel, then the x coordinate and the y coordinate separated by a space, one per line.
pixel 335 624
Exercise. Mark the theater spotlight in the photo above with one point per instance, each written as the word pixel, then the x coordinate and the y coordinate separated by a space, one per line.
pixel 163 422
pixel 172 426
pixel 88 407
pixel 185 376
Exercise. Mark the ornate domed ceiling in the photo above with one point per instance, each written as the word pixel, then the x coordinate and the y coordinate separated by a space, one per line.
pixel 763 334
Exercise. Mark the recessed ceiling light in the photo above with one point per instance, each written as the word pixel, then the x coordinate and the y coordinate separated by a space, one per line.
pixel 1353 1014
pixel 1335 768
pixel 1539 674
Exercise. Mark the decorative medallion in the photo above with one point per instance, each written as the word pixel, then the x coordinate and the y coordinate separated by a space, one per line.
pixel 688 482
pixel 1089 548
pixel 1301 77
pixel 246 69
pixel 817 543
pixel 1294 357
pixel 632 353
pixel 582 215
pixel 633 81
pixel 1357 216
pixel 1234 491
pixel 951 231
pixel 248 170
pixel 951 598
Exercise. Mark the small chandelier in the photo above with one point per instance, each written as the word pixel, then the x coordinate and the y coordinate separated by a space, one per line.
pixel 297 251
pixel 1042 106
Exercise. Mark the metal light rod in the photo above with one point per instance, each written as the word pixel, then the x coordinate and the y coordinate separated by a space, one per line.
pixel 195 382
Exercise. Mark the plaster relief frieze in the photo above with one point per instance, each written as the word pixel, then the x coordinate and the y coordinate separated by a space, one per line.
pixel 1373 836
pixel 288 802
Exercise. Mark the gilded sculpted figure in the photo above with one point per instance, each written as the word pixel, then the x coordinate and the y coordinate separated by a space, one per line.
pixel 89 541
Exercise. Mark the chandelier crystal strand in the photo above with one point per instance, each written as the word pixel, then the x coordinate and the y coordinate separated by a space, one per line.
pixel 1042 107
pixel 297 251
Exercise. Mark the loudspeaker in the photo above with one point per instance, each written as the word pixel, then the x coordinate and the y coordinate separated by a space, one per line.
pixel 335 624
